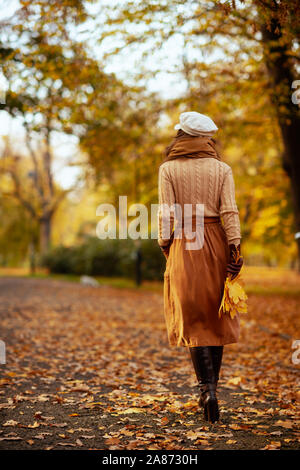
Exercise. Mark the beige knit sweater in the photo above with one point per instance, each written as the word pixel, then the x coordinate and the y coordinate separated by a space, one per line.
pixel 200 180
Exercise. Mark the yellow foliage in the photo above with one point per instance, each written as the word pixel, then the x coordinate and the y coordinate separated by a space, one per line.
pixel 234 298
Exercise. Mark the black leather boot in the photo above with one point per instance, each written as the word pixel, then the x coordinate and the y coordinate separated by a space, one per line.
pixel 217 355
pixel 203 365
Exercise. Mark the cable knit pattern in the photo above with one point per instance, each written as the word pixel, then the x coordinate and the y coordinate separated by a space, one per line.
pixel 194 181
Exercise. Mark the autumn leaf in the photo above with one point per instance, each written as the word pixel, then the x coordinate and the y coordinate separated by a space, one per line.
pixel 234 381
pixel 10 438
pixel 284 424
pixel 272 446
pixel 234 298
pixel 133 410
pixel 164 421
pixel 34 425
pixel 112 441
pixel 10 422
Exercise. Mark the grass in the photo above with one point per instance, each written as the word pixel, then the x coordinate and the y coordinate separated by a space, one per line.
pixel 118 282
pixel 258 290
pixel 261 280
pixel 257 280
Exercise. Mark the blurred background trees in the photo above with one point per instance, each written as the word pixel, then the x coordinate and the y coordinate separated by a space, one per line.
pixel 97 88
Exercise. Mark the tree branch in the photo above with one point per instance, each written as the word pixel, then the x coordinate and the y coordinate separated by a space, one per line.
pixel 17 193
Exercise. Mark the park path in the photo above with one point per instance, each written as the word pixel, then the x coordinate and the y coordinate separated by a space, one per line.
pixel 91 368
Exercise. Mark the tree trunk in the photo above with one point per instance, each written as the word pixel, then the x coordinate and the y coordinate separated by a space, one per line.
pixel 45 233
pixel 32 260
pixel 281 79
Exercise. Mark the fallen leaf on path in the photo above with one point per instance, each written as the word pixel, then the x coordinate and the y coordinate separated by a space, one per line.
pixel 11 422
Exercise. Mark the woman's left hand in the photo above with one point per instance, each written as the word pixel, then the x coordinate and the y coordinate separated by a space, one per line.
pixel 165 250
pixel 236 261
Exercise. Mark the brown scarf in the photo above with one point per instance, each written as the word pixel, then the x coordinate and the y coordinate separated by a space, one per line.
pixel 185 145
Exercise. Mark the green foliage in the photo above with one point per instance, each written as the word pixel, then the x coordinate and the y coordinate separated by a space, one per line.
pixel 153 261
pixel 59 260
pixel 17 231
pixel 106 258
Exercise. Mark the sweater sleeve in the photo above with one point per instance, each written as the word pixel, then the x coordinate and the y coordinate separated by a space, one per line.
pixel 228 209
pixel 166 198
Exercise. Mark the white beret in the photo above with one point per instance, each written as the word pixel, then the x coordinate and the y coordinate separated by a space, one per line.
pixel 194 123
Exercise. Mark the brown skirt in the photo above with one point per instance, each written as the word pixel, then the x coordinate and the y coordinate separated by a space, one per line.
pixel 193 289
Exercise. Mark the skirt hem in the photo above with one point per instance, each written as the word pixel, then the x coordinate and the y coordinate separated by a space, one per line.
pixel 192 344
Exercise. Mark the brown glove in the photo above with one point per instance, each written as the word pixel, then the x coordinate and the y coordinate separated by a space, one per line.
pixel 166 248
pixel 236 260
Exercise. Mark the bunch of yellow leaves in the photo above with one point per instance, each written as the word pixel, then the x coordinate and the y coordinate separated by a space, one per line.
pixel 234 297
